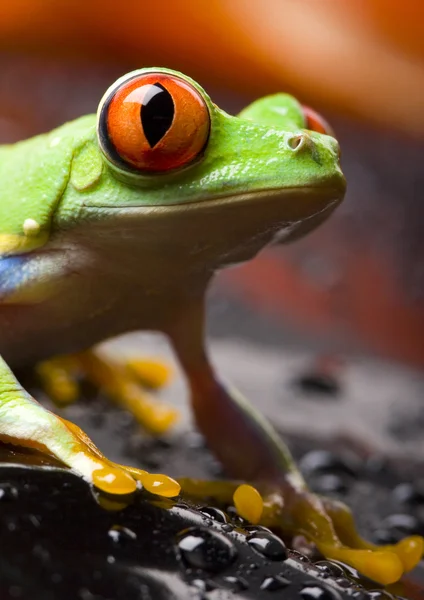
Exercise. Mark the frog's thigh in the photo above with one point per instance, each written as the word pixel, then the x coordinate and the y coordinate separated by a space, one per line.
pixel 122 382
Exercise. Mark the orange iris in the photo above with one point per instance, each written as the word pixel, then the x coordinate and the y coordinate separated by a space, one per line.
pixel 314 121
pixel 154 123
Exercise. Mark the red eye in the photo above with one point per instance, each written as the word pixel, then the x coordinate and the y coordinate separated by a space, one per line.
pixel 315 122
pixel 154 123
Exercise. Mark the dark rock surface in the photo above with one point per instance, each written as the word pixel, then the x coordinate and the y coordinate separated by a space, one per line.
pixel 58 542
pixel 61 540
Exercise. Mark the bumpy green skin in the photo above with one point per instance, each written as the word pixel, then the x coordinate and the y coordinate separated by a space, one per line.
pixel 88 251
pixel 34 174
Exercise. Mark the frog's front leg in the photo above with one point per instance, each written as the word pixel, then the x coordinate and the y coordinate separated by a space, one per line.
pixel 250 450
pixel 240 437
pixel 26 423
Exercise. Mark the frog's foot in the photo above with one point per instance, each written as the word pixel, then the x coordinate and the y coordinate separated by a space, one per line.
pixel 26 423
pixel 121 382
pixel 326 522
pixel 409 550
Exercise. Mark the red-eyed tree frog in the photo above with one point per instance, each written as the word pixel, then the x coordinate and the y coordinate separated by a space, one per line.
pixel 117 222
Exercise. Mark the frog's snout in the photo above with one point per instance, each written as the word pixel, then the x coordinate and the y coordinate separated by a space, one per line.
pixel 303 142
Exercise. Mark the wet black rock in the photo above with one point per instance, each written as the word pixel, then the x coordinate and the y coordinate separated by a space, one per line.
pixel 205 549
pixel 214 513
pixel 268 544
pixel 60 541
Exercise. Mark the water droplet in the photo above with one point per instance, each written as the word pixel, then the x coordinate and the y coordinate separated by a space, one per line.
pixel 268 544
pixel 205 549
pixel 234 516
pixel 323 461
pixel 299 556
pixel 274 583
pixel 343 582
pixel 316 592
pixel 327 566
pixel 256 528
pixel 227 527
pixel 120 534
pixel 237 584
pixel 323 570
pixel 323 574
pixel 182 505
pixel 8 492
pixel 352 573
pixel 214 513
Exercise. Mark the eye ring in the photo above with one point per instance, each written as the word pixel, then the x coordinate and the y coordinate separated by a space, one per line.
pixel 152 123
pixel 315 122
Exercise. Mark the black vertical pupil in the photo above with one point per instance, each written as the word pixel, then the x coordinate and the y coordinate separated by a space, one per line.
pixel 156 113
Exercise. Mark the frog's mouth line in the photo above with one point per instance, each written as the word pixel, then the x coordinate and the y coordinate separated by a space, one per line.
pixel 284 215
pixel 334 194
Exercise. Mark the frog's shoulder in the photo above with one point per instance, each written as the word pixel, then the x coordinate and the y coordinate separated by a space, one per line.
pixel 33 176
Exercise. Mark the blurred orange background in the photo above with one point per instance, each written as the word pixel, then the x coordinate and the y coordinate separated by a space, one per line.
pixel 365 57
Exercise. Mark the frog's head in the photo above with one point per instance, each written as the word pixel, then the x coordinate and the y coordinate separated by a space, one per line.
pixel 189 180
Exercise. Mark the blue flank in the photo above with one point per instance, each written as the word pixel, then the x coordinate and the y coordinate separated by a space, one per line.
pixel 12 274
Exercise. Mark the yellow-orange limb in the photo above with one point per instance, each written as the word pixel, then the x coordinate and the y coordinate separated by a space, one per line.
pixel 123 383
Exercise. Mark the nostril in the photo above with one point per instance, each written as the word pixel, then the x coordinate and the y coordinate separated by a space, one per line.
pixel 295 142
